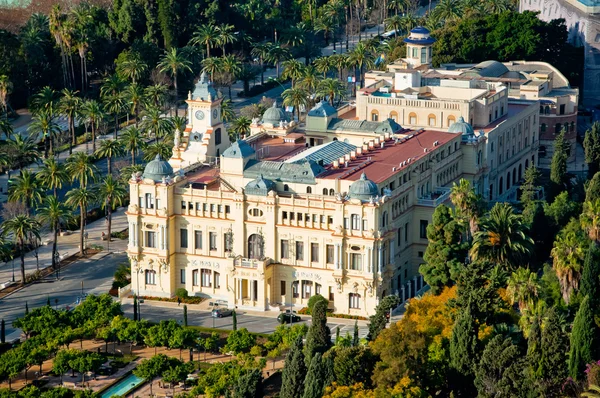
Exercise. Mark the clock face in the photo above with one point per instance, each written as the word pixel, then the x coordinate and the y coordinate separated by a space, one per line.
pixel 199 115
pixel 215 114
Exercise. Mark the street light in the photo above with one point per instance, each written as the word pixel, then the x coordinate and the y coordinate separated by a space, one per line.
pixel 13 269
pixel 57 264
pixel 271 79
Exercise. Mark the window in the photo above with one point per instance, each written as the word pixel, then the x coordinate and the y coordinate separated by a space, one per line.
pixel 314 252
pixel 331 192
pixel 354 300
pixel 195 277
pixel 399 237
pixel 217 280
pixel 285 249
pixel 220 208
pixel 284 215
pixel 282 288
pixel 423 229
pixel 228 241
pixel 346 223
pixel 183 238
pixel 365 225
pixel 329 254
pixel 150 239
pixel 213 207
pixel 356 261
pixel 374 116
pixel 217 136
pixel 182 276
pixel 306 288
pixel 204 206
pixel 423 55
pixel 308 190
pixel 299 251
pixel 355 221
pixel 295 293
pixel 543 127
pixel 431 120
pixel 149 201
pixel 198 240
pixel 451 120
pixel 412 118
pixel 205 277
pixel 562 109
pixel 286 187
pixel 227 209
pixel 183 202
pixel 150 277
pixel 406 233
pixel 212 237
pixel 325 191
pixel 394 116
pixel 317 288
pixel 331 293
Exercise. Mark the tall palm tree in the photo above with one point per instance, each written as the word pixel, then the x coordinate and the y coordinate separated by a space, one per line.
pixel 132 68
pixel 115 104
pixel 339 62
pixel 497 6
pixel 332 89
pixel 522 288
pixel 43 122
pixel 56 22
pixel 361 57
pixel 232 66
pixel 135 96
pixel 227 112
pixel 46 99
pixel 568 257
pixel 69 106
pixel 261 51
pixel 52 175
pixel 92 113
pixel 213 66
pixel 590 219
pixel 448 10
pixel 26 189
pixel 81 168
pixel 83 26
pixel 206 35
pixel 133 141
pixel 53 213
pixel 5 90
pixel 111 194
pixel 173 62
pixel 156 95
pixel 397 5
pixel 467 204
pixel 110 149
pixel 225 36
pixel 21 152
pixel 240 127
pixel 111 85
pixel 179 123
pixel 296 97
pixel 81 198
pixel 154 122
pixel 6 128
pixel 502 239
pixel 127 171
pixel 278 54
pixel 292 69
pixel 394 23
pixel 20 228
pixel 323 65
pixel 162 149
pixel 310 80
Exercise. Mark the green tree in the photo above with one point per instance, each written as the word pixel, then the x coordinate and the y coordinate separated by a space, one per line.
pixel 446 252
pixel 530 185
pixel 52 213
pixel 21 152
pixel 241 127
pixel 173 62
pixel 355 338
pixel 463 344
pixel 294 372
pixel 2 332
pixel 52 175
pixel 319 335
pixel 82 198
pixel 292 69
pixel 522 288
pixel 554 347
pixel 234 320
pixel 248 385
pixel 81 168
pixel 26 189
pixel 134 94
pixel 61 362
pixel 353 365
pixel 296 97
pixel 44 123
pixel 590 219
pixel 591 145
pixel 468 206
pixel 378 321
pixel 206 35
pixel 115 104
pixel 92 114
pixel 69 106
pixel 240 341
pixel 133 141
pixel 150 369
pixel 584 340
pixel 332 89
pixel 558 167
pixel 314 300
pixel 562 209
pixel 185 316
pixel 132 68
pixel 592 192
pixel 160 150
pixel 20 228
pixel 590 282
pixel 315 378
pixel 110 149
pixel 568 256
pixel 111 194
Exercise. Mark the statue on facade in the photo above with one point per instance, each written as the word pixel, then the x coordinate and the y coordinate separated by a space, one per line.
pixel 177 139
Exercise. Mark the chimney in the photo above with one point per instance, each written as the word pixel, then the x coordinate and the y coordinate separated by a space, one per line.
pixel 359 151
pixel 371 144
pixel 365 148
pixel 352 155
pixel 342 160
pixel 377 141
pixel 347 157
pixel 382 144
pixel 336 164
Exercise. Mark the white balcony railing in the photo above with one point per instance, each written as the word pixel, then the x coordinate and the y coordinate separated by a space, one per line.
pixel 438 196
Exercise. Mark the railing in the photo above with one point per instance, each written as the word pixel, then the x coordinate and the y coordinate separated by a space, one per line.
pixel 250 262
pixel 124 291
pixel 436 198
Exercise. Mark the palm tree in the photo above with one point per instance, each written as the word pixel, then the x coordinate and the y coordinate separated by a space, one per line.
pixel 173 62
pixel 502 238
pixel 111 194
pixel 56 22
pixel 241 127
pixel 127 171
pixel 231 66
pixel 261 51
pixel 132 68
pixel 45 100
pixel 568 258
pixel 83 20
pixel 133 141
pixel 522 288
pixel 393 23
pixel 497 6
pixel 332 89
pixel 212 66
pixel 179 123
pixel 225 36
pixel 135 96
pixel 278 54
pixel 112 85
pixel 295 97
pixel 5 90
pixel 409 21
pixel 448 10
pixel 323 65
pixel 110 149
pixel 309 80
pixel 158 125
pixel 339 62
pixel 21 152
pixel 162 149
pixel 82 198
pixel 115 104
pixel 92 113
pixel 397 5
pixel 43 122
pixel 81 168
pixel 592 392
pixel 467 204
pixel 6 128
pixel 227 112
pixel 246 74
pixel 53 213
pixel 590 219
pixel 156 95
pixel 292 69
pixel 25 189
pixel 69 106
pixel 20 228
pixel 361 57
pixel 206 35
pixel 52 175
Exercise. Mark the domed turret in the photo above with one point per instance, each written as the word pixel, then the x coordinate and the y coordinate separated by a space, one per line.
pixel 418 46
pixel 158 169
pixel 463 128
pixel 363 189
pixel 239 149
pixel 275 115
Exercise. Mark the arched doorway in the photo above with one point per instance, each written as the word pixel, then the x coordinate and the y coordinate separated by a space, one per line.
pixel 255 247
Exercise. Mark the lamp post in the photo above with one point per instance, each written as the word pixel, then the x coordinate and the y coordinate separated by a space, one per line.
pixel 13 269
pixel 57 263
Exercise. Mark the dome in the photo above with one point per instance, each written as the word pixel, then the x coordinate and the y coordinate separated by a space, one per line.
pixel 158 169
pixel 274 115
pixel 239 149
pixel 363 189
pixel 259 186
pixel 323 109
pixel 489 69
pixel 462 127
pixel 419 36
pixel 204 90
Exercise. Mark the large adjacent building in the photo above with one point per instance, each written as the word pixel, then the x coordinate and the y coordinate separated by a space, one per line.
pixel 337 206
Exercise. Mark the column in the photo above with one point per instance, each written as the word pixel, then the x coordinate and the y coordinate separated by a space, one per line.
pixel 370 260
pixel 416 285
pixel 409 285
pixel 403 294
pixel 380 257
pixel 391 245
pixel 336 256
pixel 240 292
pixel 130 234
pixel 251 284
pixel 422 281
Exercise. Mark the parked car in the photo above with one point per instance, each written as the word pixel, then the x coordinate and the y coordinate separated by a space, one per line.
pixel 286 317
pixel 221 312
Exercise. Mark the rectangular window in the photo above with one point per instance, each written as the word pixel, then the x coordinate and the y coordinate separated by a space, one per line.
pixel 331 293
pixel 306 289
pixel 285 249
pixel 197 206
pixel 365 225
pixel 329 249
pixel 423 229
pixel 284 215
pixel 195 277
pixel 150 277
pixel 355 222
pixel 356 261
pixel 212 236
pixel 183 238
pixel 562 109
pixel 282 288
pixel 141 202
pixel 314 218
pixel 204 206
pixel 329 220
pixel 149 201
pixel 346 223
pixel 299 251
pixel 183 204
pixel 220 208
pixel 317 288
pixel 227 209
pixel 292 216
pixel 314 252
pixel 413 120
pixel 150 239
pixel 182 276
pixel 205 277
pixel 198 240
pixel 406 233
pixel 295 292
pixel 213 207
pixel 354 300
pixel 228 237
pixel 217 280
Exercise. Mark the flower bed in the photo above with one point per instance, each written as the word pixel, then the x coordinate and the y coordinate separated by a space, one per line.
pixel 331 314
pixel 188 300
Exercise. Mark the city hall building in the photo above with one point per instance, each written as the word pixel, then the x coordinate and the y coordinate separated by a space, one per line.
pixel 337 206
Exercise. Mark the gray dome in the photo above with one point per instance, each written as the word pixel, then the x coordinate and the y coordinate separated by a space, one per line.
pixel 239 149
pixel 259 186
pixel 204 90
pixel 158 169
pixel 461 127
pixel 490 69
pixel 323 109
pixel 363 189
pixel 274 115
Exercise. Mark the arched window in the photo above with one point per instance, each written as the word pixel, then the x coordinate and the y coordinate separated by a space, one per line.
pixel 394 116
pixel 384 219
pixel 324 191
pixel 308 190
pixel 218 136
pixel 520 174
pixel 255 246
pixel 431 120
pixel 514 176
pixel 508 181
pixel 331 192
pixel 374 116
pixel 451 119
pixel 500 186
pixel 557 128
pixel 543 127
pixel 526 163
pixel 412 118
pixel 286 188
pixel 150 277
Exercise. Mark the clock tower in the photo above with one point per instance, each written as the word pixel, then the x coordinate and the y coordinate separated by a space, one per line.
pixel 204 138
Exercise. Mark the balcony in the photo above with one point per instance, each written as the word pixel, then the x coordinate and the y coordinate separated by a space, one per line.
pixel 250 262
pixel 438 196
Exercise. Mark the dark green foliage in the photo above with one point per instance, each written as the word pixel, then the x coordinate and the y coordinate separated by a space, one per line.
pixel 249 385
pixel 240 341
pixel 558 167
pixel 531 182
pixel 539 229
pixel 534 348
pixel 478 286
pixel 315 378
pixel 234 320
pixel 294 372
pixel 337 333
pixel 446 253
pixel 592 191
pixel 135 308
pixel 500 372
pixel 318 338
pixel 584 340
pixel 562 209
pixel 378 321
pixel 26 308
pixel 355 339
pixel 463 344
pixel 353 365
pixel 185 316
pixel 553 365
pixel 2 332
pixel 591 144
pixel 329 366
pixel 314 299
pixel 181 293
pixel 590 278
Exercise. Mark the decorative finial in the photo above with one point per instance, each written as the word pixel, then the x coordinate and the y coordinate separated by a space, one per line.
pixel 363 176
pixel 203 77
pixel 274 104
